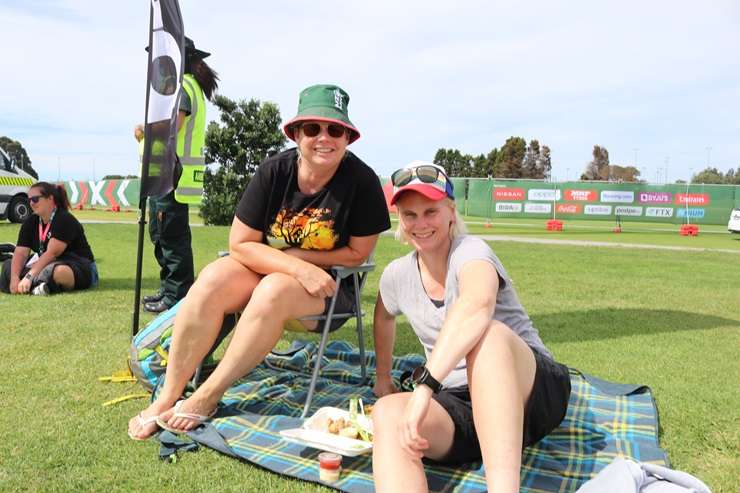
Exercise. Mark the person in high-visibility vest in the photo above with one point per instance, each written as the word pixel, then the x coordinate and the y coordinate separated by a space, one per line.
pixel 168 215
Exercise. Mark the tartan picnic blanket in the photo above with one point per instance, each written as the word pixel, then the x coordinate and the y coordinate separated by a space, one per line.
pixel 604 420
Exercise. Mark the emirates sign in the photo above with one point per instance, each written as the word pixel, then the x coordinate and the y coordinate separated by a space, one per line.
pixel 692 198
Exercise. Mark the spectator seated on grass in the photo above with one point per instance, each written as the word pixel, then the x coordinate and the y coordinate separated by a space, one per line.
pixel 490 387
pixel 304 210
pixel 63 259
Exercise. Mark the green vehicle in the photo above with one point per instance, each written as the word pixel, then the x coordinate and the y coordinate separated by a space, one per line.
pixel 14 184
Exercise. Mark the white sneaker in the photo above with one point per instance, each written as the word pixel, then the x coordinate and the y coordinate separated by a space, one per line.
pixel 41 290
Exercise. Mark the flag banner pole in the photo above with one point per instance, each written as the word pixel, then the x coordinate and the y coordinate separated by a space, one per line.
pixel 159 163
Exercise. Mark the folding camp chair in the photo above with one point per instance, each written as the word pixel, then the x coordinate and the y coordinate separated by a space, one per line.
pixel 358 277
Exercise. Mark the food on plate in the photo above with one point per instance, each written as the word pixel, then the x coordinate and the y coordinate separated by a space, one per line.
pixel 335 426
pixel 341 427
pixel 349 432
pixel 349 425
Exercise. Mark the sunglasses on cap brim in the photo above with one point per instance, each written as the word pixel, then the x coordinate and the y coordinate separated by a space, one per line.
pixel 424 173
pixel 313 129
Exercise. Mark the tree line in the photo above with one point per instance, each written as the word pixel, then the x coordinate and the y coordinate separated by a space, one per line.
pixel 248 131
pixel 515 159
pixel 599 168
pixel 18 154
pixel 716 177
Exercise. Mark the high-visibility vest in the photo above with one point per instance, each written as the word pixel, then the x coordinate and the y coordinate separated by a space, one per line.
pixel 156 157
pixel 191 139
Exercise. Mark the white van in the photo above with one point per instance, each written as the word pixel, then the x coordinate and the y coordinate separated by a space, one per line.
pixel 14 184
pixel 733 225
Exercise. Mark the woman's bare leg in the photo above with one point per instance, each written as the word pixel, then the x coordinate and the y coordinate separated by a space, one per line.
pixel 394 470
pixel 224 286
pixel 501 369
pixel 276 299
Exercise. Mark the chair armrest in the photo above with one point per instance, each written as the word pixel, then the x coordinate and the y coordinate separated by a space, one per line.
pixel 343 271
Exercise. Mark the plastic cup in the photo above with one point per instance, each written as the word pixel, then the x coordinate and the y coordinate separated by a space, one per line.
pixel 330 466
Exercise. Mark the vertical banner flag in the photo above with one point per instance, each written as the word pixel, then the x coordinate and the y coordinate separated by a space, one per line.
pixel 164 79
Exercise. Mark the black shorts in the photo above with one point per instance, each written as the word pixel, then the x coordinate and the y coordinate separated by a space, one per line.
pixel 345 304
pixel 83 272
pixel 543 412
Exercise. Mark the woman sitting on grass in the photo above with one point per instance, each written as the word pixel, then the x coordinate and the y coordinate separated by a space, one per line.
pixel 64 261
pixel 489 387
pixel 304 210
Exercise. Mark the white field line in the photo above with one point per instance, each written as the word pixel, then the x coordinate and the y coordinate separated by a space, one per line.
pixel 587 243
pixel 102 221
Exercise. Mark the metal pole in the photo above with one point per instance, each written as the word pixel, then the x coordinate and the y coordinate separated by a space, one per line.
pixel 554 196
pixel 688 221
pixel 667 161
pixel 142 198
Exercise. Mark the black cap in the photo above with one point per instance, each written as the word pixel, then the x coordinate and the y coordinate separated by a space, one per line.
pixel 190 49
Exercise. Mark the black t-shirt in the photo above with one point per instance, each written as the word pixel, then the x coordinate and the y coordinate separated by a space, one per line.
pixel 351 204
pixel 64 227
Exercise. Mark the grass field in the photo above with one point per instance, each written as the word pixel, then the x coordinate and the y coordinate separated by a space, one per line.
pixel 668 319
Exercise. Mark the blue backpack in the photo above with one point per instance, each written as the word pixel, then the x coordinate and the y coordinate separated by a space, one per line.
pixel 150 347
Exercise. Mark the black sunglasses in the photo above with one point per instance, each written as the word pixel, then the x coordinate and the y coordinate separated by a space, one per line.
pixel 425 174
pixel 333 129
pixel 35 198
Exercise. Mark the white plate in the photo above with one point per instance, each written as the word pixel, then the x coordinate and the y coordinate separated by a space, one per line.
pixel 312 433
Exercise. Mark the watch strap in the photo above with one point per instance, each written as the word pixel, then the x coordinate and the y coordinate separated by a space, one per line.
pixel 426 378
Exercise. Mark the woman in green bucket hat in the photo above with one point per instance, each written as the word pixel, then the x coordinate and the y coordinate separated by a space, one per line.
pixel 304 210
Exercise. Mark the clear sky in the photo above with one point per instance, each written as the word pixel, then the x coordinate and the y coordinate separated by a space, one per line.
pixel 656 83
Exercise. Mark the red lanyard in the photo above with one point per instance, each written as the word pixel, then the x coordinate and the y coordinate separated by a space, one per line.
pixel 45 231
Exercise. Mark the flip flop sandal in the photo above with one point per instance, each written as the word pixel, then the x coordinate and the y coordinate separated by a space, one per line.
pixel 142 422
pixel 198 418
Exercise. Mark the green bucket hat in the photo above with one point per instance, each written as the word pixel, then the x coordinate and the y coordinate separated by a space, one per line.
pixel 324 103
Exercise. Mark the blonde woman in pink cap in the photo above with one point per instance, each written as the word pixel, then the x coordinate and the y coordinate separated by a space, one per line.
pixel 305 209
pixel 489 387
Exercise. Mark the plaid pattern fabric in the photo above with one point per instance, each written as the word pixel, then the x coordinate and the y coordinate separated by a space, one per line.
pixel 604 420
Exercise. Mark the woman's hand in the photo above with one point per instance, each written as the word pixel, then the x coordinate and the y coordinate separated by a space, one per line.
pixel 408 429
pixel 24 286
pixel 384 386
pixel 316 281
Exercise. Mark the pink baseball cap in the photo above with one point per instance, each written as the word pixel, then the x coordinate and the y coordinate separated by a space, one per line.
pixel 428 179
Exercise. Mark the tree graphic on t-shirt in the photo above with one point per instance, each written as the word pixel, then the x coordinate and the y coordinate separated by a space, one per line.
pixel 310 229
